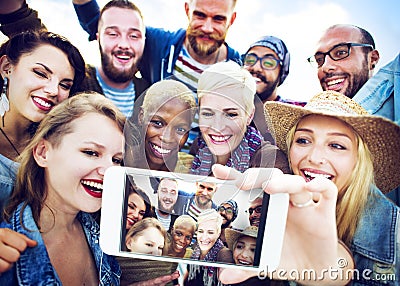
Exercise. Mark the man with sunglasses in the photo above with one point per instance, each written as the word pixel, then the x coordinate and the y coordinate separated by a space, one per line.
pixel 268 61
pixel 345 58
pixel 228 210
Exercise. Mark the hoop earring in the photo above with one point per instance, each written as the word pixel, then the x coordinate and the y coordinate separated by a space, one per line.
pixel 4 103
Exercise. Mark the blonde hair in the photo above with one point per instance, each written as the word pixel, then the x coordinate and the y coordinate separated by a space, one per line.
pixel 144 224
pixel 185 219
pixel 210 215
pixel 353 198
pixel 161 92
pixel 228 74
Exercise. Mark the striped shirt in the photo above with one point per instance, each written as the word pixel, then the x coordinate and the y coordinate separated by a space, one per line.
pixel 124 99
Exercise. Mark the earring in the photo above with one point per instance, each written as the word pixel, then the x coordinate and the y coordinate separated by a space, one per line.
pixel 4 104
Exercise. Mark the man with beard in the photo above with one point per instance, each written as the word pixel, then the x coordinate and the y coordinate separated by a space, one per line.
pixel 228 210
pixel 345 57
pixel 167 193
pixel 268 61
pixel 194 204
pixel 183 54
pixel 121 40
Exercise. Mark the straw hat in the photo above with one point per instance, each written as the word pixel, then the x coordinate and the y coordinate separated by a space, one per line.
pixel 381 135
pixel 232 235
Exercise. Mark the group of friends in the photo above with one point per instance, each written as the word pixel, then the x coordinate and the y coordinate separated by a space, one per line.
pixel 65 122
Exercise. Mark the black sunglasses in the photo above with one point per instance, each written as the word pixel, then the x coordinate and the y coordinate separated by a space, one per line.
pixel 256 209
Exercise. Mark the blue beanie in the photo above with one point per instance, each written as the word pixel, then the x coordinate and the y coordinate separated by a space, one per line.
pixel 279 47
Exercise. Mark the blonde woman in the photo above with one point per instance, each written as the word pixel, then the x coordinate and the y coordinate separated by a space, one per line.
pixel 344 160
pixel 226 108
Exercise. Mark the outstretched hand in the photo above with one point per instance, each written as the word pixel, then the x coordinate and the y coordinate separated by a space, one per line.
pixel 310 241
pixel 12 244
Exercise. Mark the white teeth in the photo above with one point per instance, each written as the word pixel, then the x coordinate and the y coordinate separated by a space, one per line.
pixel 42 102
pixel 244 262
pixel 92 184
pixel 219 138
pixel 314 175
pixel 123 57
pixel 332 82
pixel 161 150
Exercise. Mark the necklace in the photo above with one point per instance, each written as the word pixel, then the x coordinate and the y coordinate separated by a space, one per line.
pixel 9 141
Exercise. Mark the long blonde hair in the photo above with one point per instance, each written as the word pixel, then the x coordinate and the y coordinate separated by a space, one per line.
pixel 353 198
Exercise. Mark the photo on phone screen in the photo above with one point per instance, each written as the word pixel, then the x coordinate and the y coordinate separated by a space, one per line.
pixel 186 218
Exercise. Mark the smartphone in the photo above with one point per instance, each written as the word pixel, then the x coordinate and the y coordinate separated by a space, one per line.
pixel 119 227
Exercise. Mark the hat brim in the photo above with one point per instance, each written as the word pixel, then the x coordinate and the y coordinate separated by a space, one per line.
pixel 381 135
pixel 232 235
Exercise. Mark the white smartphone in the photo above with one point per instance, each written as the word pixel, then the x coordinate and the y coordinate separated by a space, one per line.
pixel 115 221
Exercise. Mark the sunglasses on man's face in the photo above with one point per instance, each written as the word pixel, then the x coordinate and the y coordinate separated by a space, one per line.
pixel 224 209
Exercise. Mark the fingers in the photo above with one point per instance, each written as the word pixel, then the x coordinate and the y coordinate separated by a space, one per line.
pixel 252 178
pixel 233 276
pixel 159 281
pixel 11 245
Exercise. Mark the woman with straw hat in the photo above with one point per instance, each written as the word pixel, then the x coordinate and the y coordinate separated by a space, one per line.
pixel 344 161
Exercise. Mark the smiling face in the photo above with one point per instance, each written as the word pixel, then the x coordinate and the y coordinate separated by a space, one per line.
pixel 223 122
pixel 148 241
pixel 324 146
pixel 167 195
pixel 74 182
pixel 38 82
pixel 243 252
pixel 166 130
pixel 207 234
pixel 348 75
pixel 267 80
pixel 204 193
pixel 181 238
pixel 136 210
pixel 121 39
pixel 209 22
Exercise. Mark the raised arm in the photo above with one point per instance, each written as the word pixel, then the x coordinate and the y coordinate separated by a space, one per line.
pixel 16 17
pixel 88 13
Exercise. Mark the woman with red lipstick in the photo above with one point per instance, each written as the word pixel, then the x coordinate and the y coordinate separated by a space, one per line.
pixel 38 71
pixel 164 118
pixel 226 98
pixel 59 184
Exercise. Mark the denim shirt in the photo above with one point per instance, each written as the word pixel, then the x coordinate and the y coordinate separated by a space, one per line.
pixel 376 243
pixel 34 266
pixel 8 173
pixel 380 94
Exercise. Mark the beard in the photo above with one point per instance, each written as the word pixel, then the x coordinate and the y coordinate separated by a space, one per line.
pixel 201 49
pixel 271 86
pixel 358 81
pixel 114 74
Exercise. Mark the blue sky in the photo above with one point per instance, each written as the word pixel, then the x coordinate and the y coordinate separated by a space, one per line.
pixel 298 22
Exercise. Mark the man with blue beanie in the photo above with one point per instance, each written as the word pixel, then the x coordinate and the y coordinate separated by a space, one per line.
pixel 268 61
pixel 228 210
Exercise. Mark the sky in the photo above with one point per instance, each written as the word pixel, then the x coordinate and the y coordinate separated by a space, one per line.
pixel 299 23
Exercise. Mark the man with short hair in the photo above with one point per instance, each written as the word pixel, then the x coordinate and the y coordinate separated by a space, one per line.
pixel 345 58
pixel 167 193
pixel 268 61
pixel 194 204
pixel 228 210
